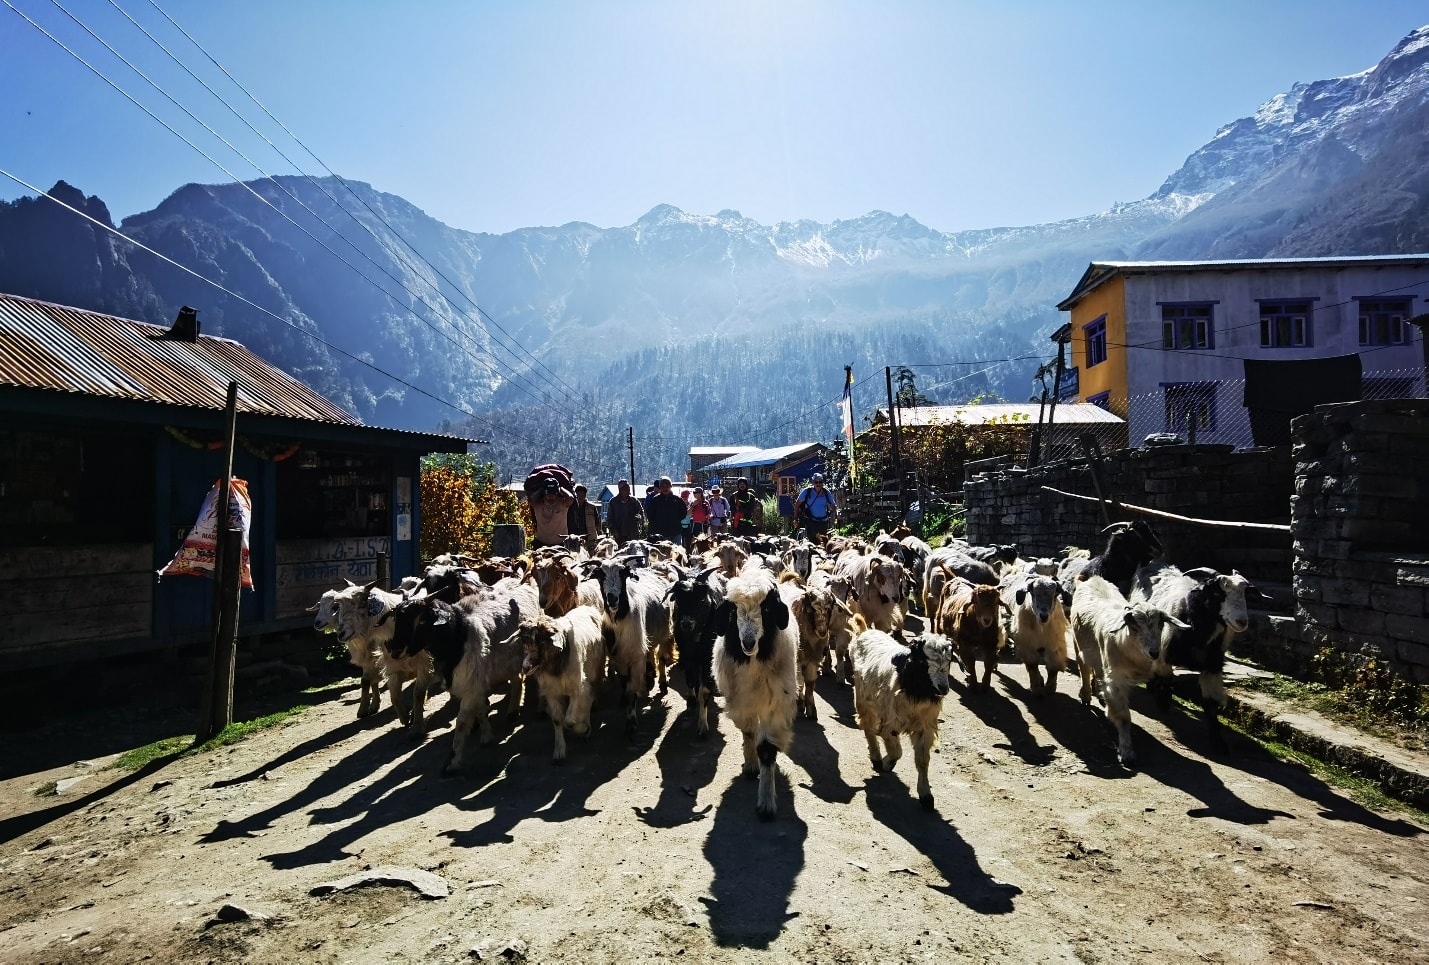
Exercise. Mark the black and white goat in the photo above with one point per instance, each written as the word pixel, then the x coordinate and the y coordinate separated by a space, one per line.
pixel 1129 546
pixel 899 689
pixel 694 599
pixel 754 667
pixel 638 621
pixel 1215 607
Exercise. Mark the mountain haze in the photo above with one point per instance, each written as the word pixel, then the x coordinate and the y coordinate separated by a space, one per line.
pixel 704 329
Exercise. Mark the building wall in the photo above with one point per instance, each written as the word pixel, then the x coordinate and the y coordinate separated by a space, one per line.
pixel 1109 376
pixel 1236 296
pixel 1361 537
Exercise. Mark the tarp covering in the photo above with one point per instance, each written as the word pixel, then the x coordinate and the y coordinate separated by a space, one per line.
pixel 1277 391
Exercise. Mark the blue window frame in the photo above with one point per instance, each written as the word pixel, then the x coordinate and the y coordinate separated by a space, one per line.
pixel 1095 332
pixel 1189 403
pixel 1187 326
pixel 1382 321
pixel 1285 324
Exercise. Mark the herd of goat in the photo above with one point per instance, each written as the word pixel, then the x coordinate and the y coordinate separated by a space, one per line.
pixel 758 621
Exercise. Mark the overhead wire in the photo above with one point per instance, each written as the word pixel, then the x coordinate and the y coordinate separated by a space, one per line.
pixel 284 215
pixel 259 308
pixel 571 392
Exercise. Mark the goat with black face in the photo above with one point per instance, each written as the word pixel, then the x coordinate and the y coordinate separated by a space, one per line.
pixel 695 600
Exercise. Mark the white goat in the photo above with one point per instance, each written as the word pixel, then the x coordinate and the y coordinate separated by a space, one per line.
pixel 1037 625
pixel 1118 646
pixel 566 657
pixel 899 689
pixel 364 626
pixel 754 667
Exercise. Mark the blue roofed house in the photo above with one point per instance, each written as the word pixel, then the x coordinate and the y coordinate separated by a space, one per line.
pixel 780 471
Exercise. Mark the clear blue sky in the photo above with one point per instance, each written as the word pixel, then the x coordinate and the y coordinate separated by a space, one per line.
pixel 493 116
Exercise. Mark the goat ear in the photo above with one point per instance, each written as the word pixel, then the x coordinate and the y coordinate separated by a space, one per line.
pixel 1201 574
pixel 1066 600
pixel 780 611
pixel 314 608
pixel 441 616
pixel 900 660
pixel 1178 624
pixel 1020 595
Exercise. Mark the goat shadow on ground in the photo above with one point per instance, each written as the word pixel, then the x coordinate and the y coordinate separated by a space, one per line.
pixel 375 801
pixel 530 786
pixel 812 751
pixel 1250 757
pixel 13 827
pixel 755 865
pixel 687 763
pixel 1080 730
pixel 997 711
pixel 893 805
pixel 386 718
pixel 839 696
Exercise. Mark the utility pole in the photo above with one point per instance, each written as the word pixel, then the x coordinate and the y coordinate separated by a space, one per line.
pixel 1062 337
pixel 630 443
pixel 893 437
pixel 216 710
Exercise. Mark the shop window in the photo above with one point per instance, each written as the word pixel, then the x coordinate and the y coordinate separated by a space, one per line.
pixel 66 488
pixel 325 494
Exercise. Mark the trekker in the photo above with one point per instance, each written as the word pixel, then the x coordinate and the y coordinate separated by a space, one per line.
pixel 549 507
pixel 815 507
pixel 699 513
pixel 719 511
pixel 584 519
pixel 624 517
pixel 665 512
pixel 747 509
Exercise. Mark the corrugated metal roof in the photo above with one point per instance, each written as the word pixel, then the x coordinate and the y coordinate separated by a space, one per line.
pixel 1100 272
pixel 718 450
pixel 1068 413
pixel 758 457
pixel 47 346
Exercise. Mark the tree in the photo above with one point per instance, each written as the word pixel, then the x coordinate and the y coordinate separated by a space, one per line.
pixel 460 504
pixel 907 395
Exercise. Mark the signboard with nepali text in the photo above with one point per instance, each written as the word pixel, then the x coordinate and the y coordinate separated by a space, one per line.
pixel 307 567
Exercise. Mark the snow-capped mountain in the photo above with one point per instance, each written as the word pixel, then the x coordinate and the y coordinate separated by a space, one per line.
pixel 708 326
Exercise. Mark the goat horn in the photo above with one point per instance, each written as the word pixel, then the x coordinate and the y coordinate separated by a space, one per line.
pixel 1116 528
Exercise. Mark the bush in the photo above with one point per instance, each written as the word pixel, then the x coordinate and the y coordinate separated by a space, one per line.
pixel 460 504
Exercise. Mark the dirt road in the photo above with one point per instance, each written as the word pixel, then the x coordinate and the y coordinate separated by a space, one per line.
pixel 1042 848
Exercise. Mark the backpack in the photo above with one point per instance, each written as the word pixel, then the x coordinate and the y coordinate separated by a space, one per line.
pixel 549 473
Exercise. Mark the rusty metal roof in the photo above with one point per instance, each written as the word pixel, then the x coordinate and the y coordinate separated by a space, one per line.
pixel 46 346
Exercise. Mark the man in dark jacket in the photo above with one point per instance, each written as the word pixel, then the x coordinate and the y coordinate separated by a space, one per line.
pixel 666 511
pixel 746 508
pixel 624 516
pixel 584 519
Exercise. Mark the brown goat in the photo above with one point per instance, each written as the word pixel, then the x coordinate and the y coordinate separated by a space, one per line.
pixel 967 612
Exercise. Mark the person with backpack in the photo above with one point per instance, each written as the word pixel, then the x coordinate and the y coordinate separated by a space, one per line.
pixel 815 508
pixel 747 510
pixel 719 511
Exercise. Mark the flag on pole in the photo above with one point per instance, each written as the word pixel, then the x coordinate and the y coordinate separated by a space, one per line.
pixel 846 407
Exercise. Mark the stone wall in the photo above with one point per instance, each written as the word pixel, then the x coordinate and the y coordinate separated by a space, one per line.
pixel 1206 482
pixel 1360 532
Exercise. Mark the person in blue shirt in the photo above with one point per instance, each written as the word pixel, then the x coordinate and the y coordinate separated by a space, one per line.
pixel 815 509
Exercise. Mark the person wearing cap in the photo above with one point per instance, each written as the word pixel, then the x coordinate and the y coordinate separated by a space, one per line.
pixel 747 511
pixel 549 508
pixel 624 517
pixel 665 512
pixel 584 519
pixel 815 507
pixel 719 510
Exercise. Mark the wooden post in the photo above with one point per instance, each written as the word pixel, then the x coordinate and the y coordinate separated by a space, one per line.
pixel 216 711
pixel 384 572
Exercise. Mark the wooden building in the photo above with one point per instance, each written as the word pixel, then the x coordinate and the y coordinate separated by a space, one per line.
pixel 109 441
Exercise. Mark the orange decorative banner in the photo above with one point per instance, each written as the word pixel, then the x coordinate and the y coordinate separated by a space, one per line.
pixel 196 556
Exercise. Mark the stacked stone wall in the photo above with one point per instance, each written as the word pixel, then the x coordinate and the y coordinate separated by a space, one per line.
pixel 1360 533
pixel 1205 482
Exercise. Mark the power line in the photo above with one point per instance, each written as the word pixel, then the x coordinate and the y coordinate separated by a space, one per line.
pixel 276 317
pixel 244 185
pixel 572 394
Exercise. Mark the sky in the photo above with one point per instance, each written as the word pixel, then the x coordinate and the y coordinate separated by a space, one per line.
pixel 495 116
